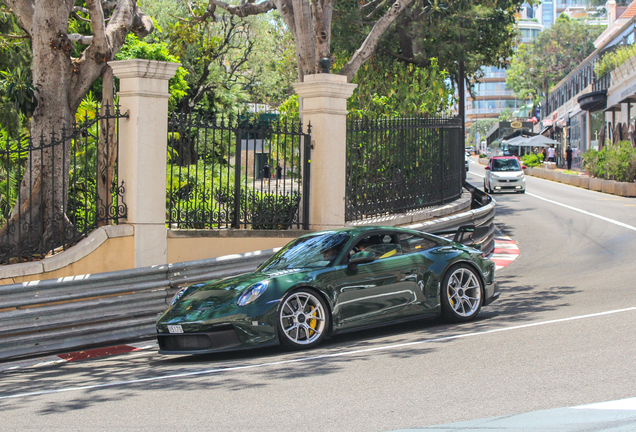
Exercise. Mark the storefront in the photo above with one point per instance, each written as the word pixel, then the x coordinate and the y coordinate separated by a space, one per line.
pixel 504 131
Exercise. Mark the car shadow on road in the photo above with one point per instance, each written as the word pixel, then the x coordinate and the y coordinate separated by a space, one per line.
pixel 132 376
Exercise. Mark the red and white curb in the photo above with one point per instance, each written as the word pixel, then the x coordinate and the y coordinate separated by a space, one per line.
pixel 505 251
pixel 79 355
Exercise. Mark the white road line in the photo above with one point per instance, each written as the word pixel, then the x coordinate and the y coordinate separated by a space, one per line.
pixel 621 224
pixel 320 357
pixel 622 404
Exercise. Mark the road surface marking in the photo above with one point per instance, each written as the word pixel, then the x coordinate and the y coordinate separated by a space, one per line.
pixel 504 252
pixel 621 224
pixel 319 357
pixel 622 404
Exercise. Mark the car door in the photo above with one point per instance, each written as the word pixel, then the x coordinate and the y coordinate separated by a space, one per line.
pixel 419 246
pixel 488 173
pixel 377 291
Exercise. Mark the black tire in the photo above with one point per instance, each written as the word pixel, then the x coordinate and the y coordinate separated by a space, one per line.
pixel 523 191
pixel 462 293
pixel 303 319
pixel 485 188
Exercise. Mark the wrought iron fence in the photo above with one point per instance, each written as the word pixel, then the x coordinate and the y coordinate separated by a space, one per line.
pixel 56 189
pixel 237 172
pixel 402 165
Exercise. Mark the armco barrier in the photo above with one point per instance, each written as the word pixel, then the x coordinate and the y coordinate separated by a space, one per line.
pixel 76 312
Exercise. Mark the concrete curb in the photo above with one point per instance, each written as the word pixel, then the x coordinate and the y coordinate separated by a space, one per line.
pixel 612 187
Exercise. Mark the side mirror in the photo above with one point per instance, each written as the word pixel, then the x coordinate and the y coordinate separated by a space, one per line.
pixel 361 258
pixel 523 167
pixel 487 168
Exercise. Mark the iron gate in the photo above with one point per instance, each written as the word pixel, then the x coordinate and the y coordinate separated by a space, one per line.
pixel 237 172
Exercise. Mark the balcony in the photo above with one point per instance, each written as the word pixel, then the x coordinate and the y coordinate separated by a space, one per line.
pixel 479 94
pixel 495 75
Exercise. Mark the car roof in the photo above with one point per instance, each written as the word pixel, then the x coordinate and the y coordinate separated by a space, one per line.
pixel 505 157
pixel 354 231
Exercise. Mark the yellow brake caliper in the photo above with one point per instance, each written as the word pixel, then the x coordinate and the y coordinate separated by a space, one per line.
pixel 312 322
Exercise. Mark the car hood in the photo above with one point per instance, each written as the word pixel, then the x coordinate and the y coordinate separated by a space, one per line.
pixel 508 174
pixel 219 297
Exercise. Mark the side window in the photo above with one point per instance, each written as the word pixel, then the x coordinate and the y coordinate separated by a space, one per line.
pixel 383 246
pixel 412 243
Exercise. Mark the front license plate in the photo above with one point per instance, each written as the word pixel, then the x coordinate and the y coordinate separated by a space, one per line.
pixel 175 329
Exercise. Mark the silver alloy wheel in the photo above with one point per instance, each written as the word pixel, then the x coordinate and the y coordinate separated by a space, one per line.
pixel 302 318
pixel 464 292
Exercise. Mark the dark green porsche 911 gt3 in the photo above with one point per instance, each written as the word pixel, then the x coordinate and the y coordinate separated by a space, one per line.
pixel 329 282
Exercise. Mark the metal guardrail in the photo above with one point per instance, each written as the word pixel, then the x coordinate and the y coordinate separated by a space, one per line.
pixel 76 312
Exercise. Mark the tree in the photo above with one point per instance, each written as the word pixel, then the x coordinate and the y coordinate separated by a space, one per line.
pixel 389 88
pixel 550 57
pixel 482 127
pixel 62 74
pixel 310 24
pixel 505 115
pixel 481 32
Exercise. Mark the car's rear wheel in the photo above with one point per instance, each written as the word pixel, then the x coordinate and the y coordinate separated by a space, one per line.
pixel 302 319
pixel 462 293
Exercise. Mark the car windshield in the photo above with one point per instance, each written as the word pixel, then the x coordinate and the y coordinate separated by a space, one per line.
pixel 505 165
pixel 315 251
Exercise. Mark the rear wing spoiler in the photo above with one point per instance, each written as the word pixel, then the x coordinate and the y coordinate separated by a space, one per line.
pixel 469 235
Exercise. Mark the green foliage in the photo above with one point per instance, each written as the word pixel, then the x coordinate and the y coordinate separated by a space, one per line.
pixel 550 57
pixel 482 32
pixel 505 115
pixel 17 93
pixel 288 110
pixel 390 89
pixel 231 60
pixel 612 60
pixel 12 164
pixel 134 48
pixel 532 160
pixel 614 162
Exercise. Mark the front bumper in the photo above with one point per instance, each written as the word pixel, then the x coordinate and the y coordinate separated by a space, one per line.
pixel 221 338
pixel 508 184
pixel 249 327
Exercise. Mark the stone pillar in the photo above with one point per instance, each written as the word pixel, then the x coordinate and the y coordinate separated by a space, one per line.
pixel 143 139
pixel 325 108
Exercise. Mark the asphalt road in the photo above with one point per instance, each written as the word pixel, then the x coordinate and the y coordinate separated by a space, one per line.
pixel 562 334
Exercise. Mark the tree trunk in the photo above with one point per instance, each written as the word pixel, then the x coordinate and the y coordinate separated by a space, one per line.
pixel 39 221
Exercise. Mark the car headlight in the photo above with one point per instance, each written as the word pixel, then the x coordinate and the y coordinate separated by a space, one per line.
pixel 495 176
pixel 252 293
pixel 520 175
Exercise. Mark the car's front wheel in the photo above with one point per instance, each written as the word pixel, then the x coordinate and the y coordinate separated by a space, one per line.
pixel 302 319
pixel 462 293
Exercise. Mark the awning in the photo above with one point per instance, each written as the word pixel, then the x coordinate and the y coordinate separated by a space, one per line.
pixel 535 141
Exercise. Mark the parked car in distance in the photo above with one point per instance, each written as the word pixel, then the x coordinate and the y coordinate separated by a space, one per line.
pixel 331 282
pixel 504 173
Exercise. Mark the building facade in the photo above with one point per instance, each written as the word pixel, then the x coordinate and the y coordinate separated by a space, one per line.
pixel 583 109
